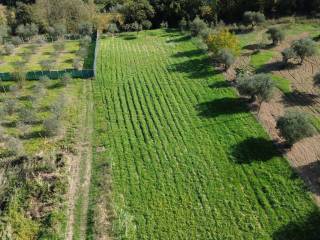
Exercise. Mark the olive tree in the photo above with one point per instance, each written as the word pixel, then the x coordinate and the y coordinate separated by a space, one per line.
pixel 226 58
pixel 276 35
pixel 304 48
pixel 253 18
pixel 183 24
pixel 196 26
pixel 295 126
pixel 288 54
pixel 259 87
pixel 146 25
pixel 112 28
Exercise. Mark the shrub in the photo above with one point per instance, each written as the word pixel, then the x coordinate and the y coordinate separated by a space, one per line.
pixel 260 87
pixel 276 35
pixel 27 31
pixel 10 106
pixel 44 80
pixel 59 46
pixel 66 79
pixel 39 90
pixel 112 28
pixel 146 25
pixel 8 48
pixel 16 40
pixel 226 58
pixel 23 128
pixel 164 25
pixel 253 18
pixel 47 65
pixel 288 54
pixel 304 48
pixel 85 28
pixel 33 48
pixel 27 115
pixel 82 52
pixel 20 77
pixel 223 40
pixel 183 24
pixel 196 26
pixel 85 41
pixel 77 64
pixel 295 126
pixel 51 126
pixel 316 79
pixel 57 31
pixel 15 146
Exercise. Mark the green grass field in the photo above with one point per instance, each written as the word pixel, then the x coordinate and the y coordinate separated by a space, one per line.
pixel 188 159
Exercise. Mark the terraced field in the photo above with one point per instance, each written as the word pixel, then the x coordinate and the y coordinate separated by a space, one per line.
pixel 188 159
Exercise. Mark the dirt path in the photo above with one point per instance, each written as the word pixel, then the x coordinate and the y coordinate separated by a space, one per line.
pixel 80 172
pixel 304 157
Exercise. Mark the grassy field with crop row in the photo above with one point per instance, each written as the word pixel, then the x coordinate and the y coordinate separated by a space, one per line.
pixel 188 159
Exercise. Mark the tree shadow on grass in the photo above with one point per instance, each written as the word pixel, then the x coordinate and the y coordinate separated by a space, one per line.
pixel 195 68
pixel 180 39
pixel 276 66
pixel 297 98
pixel 305 229
pixel 254 150
pixel 256 46
pixel 34 135
pixel 55 86
pixel 311 172
pixel 220 84
pixel 191 53
pixel 222 106
pixel 128 36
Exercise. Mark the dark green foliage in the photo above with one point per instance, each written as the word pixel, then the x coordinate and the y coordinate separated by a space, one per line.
pixel 304 48
pixel 197 26
pixel 259 86
pixel 226 58
pixel 295 126
pixel 138 11
pixel 276 35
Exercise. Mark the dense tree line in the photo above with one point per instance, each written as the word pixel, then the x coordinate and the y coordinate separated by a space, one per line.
pixel 172 11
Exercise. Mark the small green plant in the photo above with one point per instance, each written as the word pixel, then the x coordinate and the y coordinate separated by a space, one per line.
pixel 10 106
pixel 66 79
pixel 52 126
pixel 14 146
pixel 295 126
pixel 27 115
pixel 77 63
